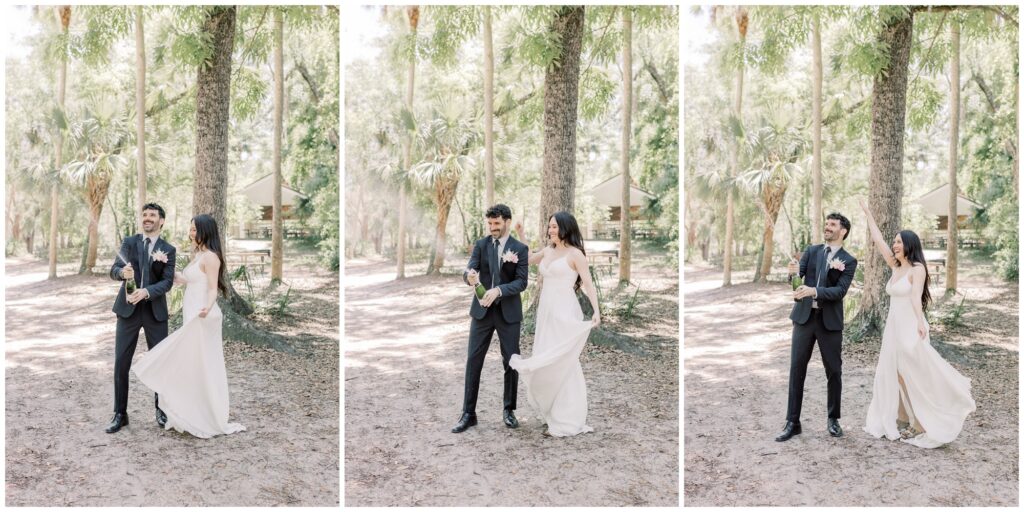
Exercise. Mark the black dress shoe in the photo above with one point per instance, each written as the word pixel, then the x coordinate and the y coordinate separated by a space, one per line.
pixel 467 420
pixel 510 419
pixel 161 418
pixel 119 420
pixel 834 428
pixel 792 429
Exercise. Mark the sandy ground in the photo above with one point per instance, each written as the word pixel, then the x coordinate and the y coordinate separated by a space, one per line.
pixel 736 370
pixel 59 382
pixel 404 369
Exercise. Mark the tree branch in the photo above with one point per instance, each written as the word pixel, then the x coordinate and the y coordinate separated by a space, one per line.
pixel 999 12
pixel 301 68
pixel 849 110
pixel 653 71
pixel 156 109
pixel 505 109
pixel 993 103
pixel 314 90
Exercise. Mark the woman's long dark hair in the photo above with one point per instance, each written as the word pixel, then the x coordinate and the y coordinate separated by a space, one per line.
pixel 914 253
pixel 569 233
pixel 208 236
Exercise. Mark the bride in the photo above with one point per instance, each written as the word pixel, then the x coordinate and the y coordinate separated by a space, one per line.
pixel 917 395
pixel 556 389
pixel 187 368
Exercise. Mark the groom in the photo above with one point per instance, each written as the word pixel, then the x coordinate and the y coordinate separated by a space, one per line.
pixel 827 270
pixel 148 260
pixel 501 264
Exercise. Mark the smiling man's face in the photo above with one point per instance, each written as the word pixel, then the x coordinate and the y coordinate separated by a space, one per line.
pixel 151 222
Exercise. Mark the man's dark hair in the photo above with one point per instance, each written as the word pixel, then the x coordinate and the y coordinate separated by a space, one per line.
pixel 499 210
pixel 843 221
pixel 153 206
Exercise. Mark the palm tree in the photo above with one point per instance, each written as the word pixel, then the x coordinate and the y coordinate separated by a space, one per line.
pixel 445 142
pixel 99 141
pixel 774 150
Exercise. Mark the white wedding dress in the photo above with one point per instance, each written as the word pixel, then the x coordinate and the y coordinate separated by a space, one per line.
pixel 553 376
pixel 187 367
pixel 936 395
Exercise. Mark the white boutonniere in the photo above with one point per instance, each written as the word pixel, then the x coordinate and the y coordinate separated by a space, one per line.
pixel 837 264
pixel 509 257
pixel 160 256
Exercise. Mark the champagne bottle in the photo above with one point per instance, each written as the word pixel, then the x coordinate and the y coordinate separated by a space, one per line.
pixel 129 286
pixel 480 290
pixel 795 282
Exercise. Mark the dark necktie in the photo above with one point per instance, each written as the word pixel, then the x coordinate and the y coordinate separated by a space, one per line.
pixel 146 260
pixel 494 263
pixel 824 266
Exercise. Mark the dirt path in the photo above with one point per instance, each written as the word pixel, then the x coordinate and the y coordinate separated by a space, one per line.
pixel 736 367
pixel 59 383
pixel 404 364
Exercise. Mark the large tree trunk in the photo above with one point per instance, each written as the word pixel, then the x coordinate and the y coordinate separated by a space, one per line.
pixel 277 232
pixel 140 117
pixel 444 194
pixel 65 21
pixel 488 105
pixel 885 185
pixel 742 20
pixel 816 213
pixel 213 100
pixel 414 20
pixel 954 140
pixel 627 129
pixel 561 93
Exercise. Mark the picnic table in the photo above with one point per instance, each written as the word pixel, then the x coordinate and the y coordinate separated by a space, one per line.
pixel 256 260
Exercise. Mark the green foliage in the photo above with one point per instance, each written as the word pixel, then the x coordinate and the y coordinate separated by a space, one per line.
pixel 954 316
pixel 249 90
pixel 629 306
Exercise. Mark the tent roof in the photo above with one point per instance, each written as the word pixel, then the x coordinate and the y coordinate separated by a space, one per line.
pixel 936 202
pixel 261 192
pixel 609 193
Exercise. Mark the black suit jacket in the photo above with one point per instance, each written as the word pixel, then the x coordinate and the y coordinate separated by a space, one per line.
pixel 159 276
pixel 833 287
pixel 511 277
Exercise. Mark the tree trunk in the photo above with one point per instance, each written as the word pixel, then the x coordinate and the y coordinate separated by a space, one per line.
pixel 627 129
pixel 885 185
pixel 444 194
pixel 734 154
pixel 140 117
pixel 277 234
pixel 14 212
pixel 414 20
pixel 816 213
pixel 65 21
pixel 213 98
pixel 773 196
pixel 561 93
pixel 96 188
pixel 954 141
pixel 488 105
pixel 213 101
